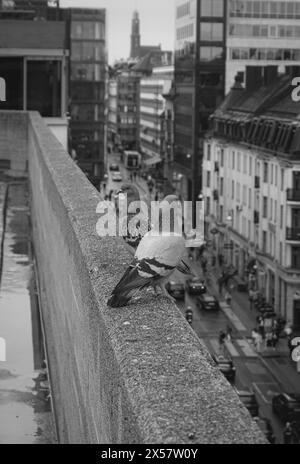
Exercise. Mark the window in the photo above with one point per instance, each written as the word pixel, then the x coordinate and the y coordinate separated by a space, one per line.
pixel 233 160
pixel 238 192
pixel 207 205
pixel 221 186
pixel 264 241
pixel 208 152
pixel 212 8
pixel 210 53
pixel 272 174
pixel 11 70
pixel 44 87
pixel 212 32
pixel 245 164
pixel 280 254
pixel 244 195
pixel 276 176
pixel 271 209
pixel 296 257
pixel 87 72
pixel 232 190
pixel 282 180
pixel 275 211
pixel 87 30
pixel 221 213
pixel 249 229
pixel 265 175
pixel 250 198
pixel 250 166
pixel 222 158
pixel 208 179
pixel 281 216
pixel 265 207
pixel 239 162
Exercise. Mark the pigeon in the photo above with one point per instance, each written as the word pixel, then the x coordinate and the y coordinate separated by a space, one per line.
pixel 159 253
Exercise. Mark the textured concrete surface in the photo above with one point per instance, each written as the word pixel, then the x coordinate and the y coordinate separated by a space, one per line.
pixel 130 375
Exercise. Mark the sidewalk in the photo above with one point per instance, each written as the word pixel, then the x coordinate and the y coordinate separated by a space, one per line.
pixel 277 361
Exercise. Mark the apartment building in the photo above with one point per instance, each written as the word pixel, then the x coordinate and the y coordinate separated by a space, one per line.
pixel 152 107
pixel 261 33
pixel 251 188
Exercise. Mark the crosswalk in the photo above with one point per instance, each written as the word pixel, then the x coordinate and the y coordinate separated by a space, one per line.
pixel 237 349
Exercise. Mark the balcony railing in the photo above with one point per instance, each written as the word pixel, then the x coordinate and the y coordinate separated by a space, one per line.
pixel 257 182
pixel 293 233
pixel 293 195
pixel 256 217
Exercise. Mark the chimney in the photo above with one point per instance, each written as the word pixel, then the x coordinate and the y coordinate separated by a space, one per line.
pixel 254 78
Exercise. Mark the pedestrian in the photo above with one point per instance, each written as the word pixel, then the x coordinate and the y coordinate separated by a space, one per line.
pixel 104 186
pixel 222 337
pixel 258 342
pixel 228 334
pixel 287 434
pixel 274 340
pixel 268 340
pixel 254 335
pixel 110 195
pixel 228 298
pixel 261 327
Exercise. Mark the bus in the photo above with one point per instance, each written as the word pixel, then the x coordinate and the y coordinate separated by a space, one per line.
pixel 132 160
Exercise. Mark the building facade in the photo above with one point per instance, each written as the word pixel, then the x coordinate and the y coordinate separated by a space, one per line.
pixel 83 32
pixel 261 33
pixel 199 85
pixel 152 108
pixel 251 190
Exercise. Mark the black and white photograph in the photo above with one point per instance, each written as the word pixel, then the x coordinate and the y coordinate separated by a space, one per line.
pixel 149 225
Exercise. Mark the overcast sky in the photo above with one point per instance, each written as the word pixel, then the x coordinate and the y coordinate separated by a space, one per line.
pixel 157 18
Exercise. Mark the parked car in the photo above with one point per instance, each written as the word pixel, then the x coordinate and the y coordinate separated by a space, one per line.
pixel 249 400
pixel 287 406
pixel 207 302
pixel 176 289
pixel 195 286
pixel 114 167
pixel 117 177
pixel 226 366
pixel 265 426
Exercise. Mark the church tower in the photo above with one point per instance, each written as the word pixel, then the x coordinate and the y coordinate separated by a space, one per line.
pixel 135 36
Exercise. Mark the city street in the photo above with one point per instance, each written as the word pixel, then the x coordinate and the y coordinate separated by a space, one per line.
pixel 266 373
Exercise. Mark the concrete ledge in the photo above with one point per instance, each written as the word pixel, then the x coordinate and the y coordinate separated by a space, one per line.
pixel 132 375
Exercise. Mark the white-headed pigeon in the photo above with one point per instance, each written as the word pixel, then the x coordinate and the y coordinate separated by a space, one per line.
pixel 159 253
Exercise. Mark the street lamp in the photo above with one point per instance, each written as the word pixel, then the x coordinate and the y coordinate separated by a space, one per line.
pixel 228 222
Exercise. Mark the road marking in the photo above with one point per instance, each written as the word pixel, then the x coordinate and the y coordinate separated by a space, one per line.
pixel 232 317
pixel 246 348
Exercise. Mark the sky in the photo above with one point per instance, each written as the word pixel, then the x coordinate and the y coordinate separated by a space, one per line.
pixel 157 22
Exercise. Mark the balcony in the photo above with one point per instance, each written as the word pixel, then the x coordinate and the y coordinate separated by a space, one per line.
pixel 293 234
pixel 257 182
pixel 293 195
pixel 256 217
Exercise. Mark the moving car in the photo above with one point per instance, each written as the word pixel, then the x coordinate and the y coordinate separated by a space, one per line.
pixel 249 400
pixel 226 366
pixel 114 167
pixel 195 286
pixel 265 426
pixel 287 406
pixel 176 289
pixel 207 302
pixel 117 177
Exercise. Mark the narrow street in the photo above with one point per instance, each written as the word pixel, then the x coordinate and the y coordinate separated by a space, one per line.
pixel 266 373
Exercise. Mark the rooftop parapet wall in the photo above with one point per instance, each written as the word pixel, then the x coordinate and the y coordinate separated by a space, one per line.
pixel 131 375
